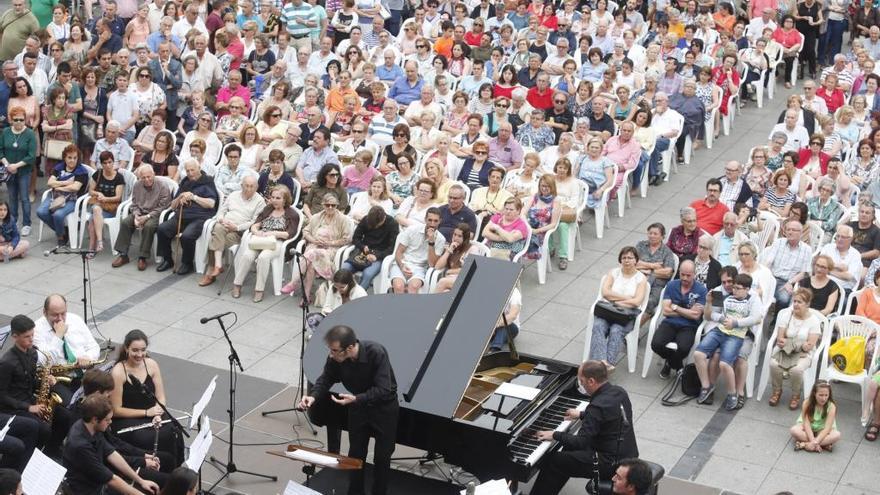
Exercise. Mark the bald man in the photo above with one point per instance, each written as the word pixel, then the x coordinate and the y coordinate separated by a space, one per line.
pixel 683 302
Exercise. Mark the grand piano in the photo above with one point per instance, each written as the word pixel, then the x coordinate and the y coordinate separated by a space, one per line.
pixel 447 386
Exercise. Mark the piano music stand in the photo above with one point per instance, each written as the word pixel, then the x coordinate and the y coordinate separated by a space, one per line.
pixel 302 351
pixel 345 463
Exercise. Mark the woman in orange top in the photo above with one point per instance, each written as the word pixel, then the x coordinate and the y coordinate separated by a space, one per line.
pixel 724 18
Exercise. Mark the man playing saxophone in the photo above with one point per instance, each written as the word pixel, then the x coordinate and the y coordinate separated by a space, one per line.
pixel 66 340
pixel 19 385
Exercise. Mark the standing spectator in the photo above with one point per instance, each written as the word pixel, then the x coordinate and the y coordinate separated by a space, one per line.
pixel 866 234
pixel 18 152
pixel 18 24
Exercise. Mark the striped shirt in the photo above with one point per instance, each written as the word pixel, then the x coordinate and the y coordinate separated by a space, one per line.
pixel 785 262
pixel 292 13
pixel 773 199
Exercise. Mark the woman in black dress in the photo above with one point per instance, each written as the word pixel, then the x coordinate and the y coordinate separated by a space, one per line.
pixel 133 407
pixel 809 18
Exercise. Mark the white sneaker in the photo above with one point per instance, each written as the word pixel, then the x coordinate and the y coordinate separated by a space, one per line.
pixel 26 231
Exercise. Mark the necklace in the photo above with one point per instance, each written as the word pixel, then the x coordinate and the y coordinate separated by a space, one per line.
pixel 17 137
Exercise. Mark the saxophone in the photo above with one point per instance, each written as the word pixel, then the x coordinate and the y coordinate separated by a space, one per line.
pixel 44 396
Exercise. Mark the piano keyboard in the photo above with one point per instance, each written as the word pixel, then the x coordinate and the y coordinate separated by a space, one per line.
pixel 527 449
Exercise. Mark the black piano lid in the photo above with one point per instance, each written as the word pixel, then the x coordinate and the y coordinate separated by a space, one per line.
pixel 406 324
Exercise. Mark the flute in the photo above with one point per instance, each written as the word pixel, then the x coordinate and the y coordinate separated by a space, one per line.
pixel 158 426
pixel 148 425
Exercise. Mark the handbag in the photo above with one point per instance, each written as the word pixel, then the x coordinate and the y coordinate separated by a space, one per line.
pixel 848 355
pixel 262 243
pixel 4 174
pixel 615 314
pixel 568 215
pixel 689 381
pixel 359 261
pixel 384 12
pixel 54 148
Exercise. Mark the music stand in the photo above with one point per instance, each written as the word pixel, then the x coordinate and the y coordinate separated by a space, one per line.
pixel 345 463
pixel 302 351
pixel 229 466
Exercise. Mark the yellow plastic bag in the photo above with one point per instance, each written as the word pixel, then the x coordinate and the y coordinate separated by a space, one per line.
pixel 848 355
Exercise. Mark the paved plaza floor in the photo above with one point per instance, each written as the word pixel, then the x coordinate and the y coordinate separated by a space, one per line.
pixel 745 452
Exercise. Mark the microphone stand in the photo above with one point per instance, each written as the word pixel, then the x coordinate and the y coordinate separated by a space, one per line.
pixel 84 256
pixel 229 467
pixel 302 350
pixel 174 422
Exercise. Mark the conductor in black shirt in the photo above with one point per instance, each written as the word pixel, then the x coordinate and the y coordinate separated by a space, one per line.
pixel 605 437
pixel 365 371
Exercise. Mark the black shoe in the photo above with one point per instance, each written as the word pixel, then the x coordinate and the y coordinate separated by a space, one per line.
pixel 706 396
pixel 652 181
pixel 164 266
pixel 184 269
pixel 661 178
pixel 665 371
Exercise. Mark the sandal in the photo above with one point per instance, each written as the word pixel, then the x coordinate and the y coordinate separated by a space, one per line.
pixel 795 402
pixel 799 446
pixel 236 292
pixel 774 399
pixel 871 433
pixel 563 264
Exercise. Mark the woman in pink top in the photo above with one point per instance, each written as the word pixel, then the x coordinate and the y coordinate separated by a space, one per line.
pixel 357 177
pixel 791 40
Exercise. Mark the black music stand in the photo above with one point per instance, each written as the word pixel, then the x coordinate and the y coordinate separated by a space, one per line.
pixel 229 466
pixel 302 351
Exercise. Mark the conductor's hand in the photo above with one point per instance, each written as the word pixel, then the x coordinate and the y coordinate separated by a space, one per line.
pixel 544 435
pixel 306 402
pixel 344 399
pixel 149 486
pixel 572 414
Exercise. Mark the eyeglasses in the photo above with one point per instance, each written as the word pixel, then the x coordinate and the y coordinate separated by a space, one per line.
pixel 329 205
pixel 276 115
pixel 337 351
pixel 57 50
pixel 501 105
pixel 561 102
pixel 357 130
pixel 481 152
pixel 400 135
pixel 333 174
pixel 18 120
pixel 817 143
pixel 143 76
pixel 823 266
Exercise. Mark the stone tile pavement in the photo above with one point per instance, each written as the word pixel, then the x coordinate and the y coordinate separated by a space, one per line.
pixel 752 453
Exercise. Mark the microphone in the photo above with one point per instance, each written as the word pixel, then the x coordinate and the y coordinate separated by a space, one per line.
pixel 215 317
pixel 54 250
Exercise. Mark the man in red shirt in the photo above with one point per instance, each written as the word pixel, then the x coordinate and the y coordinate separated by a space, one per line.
pixel 541 96
pixel 710 211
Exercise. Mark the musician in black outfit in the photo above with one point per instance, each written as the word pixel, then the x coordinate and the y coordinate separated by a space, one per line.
pixel 99 383
pixel 606 434
pixel 89 457
pixel 364 369
pixel 18 386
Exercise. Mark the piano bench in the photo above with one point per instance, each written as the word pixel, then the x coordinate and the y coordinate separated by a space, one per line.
pixel 657 473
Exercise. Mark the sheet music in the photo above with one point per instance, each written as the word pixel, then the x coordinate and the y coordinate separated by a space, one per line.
pixel 200 446
pixel 313 458
pixel 199 407
pixel 5 429
pixel 518 391
pixel 42 476
pixel 494 487
pixel 294 488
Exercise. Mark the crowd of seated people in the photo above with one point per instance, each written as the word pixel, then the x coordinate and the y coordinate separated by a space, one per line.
pixel 423 140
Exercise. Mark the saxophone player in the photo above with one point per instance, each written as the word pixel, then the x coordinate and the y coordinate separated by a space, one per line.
pixel 66 339
pixel 18 386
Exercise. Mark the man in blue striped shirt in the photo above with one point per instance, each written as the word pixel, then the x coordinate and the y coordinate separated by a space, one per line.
pixel 300 18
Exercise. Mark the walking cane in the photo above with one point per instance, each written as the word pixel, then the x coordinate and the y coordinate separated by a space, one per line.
pixel 177 254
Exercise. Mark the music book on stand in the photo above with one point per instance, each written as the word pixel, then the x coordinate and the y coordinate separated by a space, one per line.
pixel 42 475
pixel 294 488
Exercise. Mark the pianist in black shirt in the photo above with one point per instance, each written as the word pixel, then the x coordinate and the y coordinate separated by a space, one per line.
pixel 606 434
pixel 364 369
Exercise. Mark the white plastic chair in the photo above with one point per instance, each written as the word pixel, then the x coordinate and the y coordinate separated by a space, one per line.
pixel 847 326
pixel 277 263
pixel 623 192
pixel 768 233
pixel 601 212
pixel 631 339
pixel 794 66
pixel 709 128
pixel 574 232
pixel 544 263
pixel 727 120
pixel 667 158
pixel 111 223
pixel 811 372
pixel 72 220
pixel 757 85
pixel 771 86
